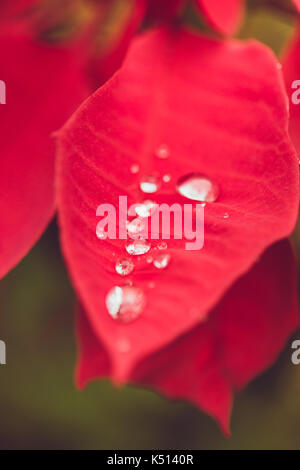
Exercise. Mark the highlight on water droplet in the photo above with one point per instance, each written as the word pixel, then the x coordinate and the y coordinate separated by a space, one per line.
pixel 149 184
pixel 100 233
pixel 138 247
pixel 137 228
pixel 124 266
pixel 198 188
pixel 125 303
pixel 166 178
pixel 162 260
pixel 145 208
pixel 135 168
pixel 162 151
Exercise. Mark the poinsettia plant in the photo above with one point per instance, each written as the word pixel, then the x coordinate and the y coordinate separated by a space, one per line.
pixel 103 96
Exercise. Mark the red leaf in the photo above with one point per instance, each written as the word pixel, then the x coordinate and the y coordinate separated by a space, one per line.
pixel 225 16
pixel 297 4
pixel 291 70
pixel 229 123
pixel 9 9
pixel 38 102
pixel 241 338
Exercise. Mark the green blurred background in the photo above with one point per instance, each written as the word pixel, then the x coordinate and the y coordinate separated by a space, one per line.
pixel 39 405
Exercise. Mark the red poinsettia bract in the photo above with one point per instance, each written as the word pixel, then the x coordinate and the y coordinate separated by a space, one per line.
pixel 241 338
pixel 224 16
pixel 38 103
pixel 221 109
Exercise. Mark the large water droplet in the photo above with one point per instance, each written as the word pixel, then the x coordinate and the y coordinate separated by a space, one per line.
pixel 125 303
pixel 198 188
pixel 136 228
pixel 145 208
pixel 149 184
pixel 138 247
pixel 124 266
pixel 162 151
pixel 162 260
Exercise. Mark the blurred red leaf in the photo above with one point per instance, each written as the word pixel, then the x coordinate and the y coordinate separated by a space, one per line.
pixel 44 85
pixel 242 337
pixel 225 16
pixel 291 70
pixel 297 4
pixel 229 123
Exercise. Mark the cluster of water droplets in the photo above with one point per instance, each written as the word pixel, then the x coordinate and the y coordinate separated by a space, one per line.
pixel 125 303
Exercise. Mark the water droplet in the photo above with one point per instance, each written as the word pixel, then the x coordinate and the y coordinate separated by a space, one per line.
pixel 149 259
pixel 124 266
pixel 145 208
pixel 162 151
pixel 138 247
pixel 162 246
pixel 101 233
pixel 125 303
pixel 166 178
pixel 151 285
pixel 162 260
pixel 198 188
pixel 136 228
pixel 149 184
pixel 279 65
pixel 134 169
pixel 226 215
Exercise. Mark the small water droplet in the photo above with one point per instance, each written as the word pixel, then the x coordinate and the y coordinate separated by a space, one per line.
pixel 149 259
pixel 162 260
pixel 162 246
pixel 145 208
pixel 124 266
pixel 226 215
pixel 279 65
pixel 198 188
pixel 101 234
pixel 136 228
pixel 125 303
pixel 166 178
pixel 138 247
pixel 151 285
pixel 149 184
pixel 162 151
pixel 134 169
